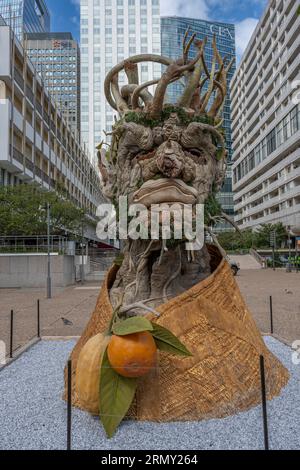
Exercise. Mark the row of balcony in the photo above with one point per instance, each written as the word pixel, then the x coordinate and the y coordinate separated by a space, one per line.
pixel 269 166
pixel 268 189
pixel 288 216
pixel 249 71
pixel 256 121
pixel 269 203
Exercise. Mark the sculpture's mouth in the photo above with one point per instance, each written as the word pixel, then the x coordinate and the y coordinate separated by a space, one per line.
pixel 165 190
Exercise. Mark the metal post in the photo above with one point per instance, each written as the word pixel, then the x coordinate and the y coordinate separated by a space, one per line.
pixel 273 255
pixel 264 401
pixel 38 319
pixel 290 254
pixel 69 406
pixel 11 333
pixel 82 254
pixel 49 257
pixel 271 314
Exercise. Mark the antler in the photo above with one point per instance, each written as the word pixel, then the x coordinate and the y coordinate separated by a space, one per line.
pixel 194 80
pixel 111 87
pixel 129 96
pixel 173 73
pixel 220 83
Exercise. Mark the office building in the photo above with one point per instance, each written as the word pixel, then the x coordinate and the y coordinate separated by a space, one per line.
pixel 112 30
pixel 37 144
pixel 173 29
pixel 266 121
pixel 56 57
pixel 25 16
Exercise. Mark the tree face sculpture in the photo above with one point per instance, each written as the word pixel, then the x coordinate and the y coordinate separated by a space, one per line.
pixel 165 154
pixel 172 154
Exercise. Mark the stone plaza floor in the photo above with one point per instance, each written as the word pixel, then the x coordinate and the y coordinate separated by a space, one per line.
pixel 33 414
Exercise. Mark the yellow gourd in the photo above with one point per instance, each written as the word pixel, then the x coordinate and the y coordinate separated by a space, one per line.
pixel 87 380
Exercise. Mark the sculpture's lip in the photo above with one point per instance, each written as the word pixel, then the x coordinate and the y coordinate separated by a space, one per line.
pixel 165 190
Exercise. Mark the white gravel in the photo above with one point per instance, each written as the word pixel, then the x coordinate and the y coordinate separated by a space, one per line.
pixel 33 415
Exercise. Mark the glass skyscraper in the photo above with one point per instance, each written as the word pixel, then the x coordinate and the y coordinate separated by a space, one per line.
pixel 56 57
pixel 173 29
pixel 25 16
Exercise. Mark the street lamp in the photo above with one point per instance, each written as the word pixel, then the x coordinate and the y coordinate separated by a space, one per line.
pixel 48 254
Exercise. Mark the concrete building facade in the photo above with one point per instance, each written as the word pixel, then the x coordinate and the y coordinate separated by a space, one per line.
pixel 37 144
pixel 111 31
pixel 25 16
pixel 56 56
pixel 266 121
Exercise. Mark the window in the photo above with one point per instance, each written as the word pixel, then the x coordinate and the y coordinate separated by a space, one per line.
pixel 271 142
pixel 279 133
pixel 294 120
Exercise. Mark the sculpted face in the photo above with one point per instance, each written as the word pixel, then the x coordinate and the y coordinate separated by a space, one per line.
pixel 163 153
pixel 173 163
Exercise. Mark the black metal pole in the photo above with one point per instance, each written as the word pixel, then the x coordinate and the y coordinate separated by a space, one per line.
pixel 38 319
pixel 271 315
pixel 49 294
pixel 290 254
pixel 69 406
pixel 264 401
pixel 82 254
pixel 11 333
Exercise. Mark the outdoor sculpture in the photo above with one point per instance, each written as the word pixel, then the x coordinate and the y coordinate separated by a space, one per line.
pixel 176 154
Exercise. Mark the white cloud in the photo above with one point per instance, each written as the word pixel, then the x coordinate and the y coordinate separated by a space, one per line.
pixel 244 30
pixel 194 9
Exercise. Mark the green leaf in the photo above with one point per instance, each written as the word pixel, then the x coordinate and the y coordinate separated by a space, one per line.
pixel 166 341
pixel 116 396
pixel 132 325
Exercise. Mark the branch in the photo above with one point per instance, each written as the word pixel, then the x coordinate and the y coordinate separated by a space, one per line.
pixel 129 92
pixel 194 80
pixel 121 104
pixel 132 72
pixel 211 79
pixel 216 242
pixel 173 73
pixel 187 48
pixel 141 305
pixel 134 60
pixel 138 92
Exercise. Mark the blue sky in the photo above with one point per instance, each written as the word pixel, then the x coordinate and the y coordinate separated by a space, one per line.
pixel 244 13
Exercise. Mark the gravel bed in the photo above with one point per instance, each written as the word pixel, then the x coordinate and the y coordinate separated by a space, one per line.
pixel 33 415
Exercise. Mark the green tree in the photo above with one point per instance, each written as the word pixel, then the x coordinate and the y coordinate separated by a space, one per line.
pixel 262 234
pixel 232 241
pixel 23 212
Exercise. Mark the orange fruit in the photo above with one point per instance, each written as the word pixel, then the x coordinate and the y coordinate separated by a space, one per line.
pixel 132 355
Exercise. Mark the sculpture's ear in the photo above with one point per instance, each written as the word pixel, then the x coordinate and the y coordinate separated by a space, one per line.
pixel 137 136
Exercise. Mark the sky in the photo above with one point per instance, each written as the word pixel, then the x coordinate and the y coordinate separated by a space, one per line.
pixel 243 13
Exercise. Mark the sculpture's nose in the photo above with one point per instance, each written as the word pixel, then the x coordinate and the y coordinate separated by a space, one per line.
pixel 169 149
pixel 168 161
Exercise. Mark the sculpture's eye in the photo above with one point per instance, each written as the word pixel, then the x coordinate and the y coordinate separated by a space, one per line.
pixel 195 152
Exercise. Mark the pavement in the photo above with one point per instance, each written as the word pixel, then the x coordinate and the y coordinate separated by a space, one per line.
pixel 245 261
pixel 258 285
pixel 34 416
pixel 76 303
